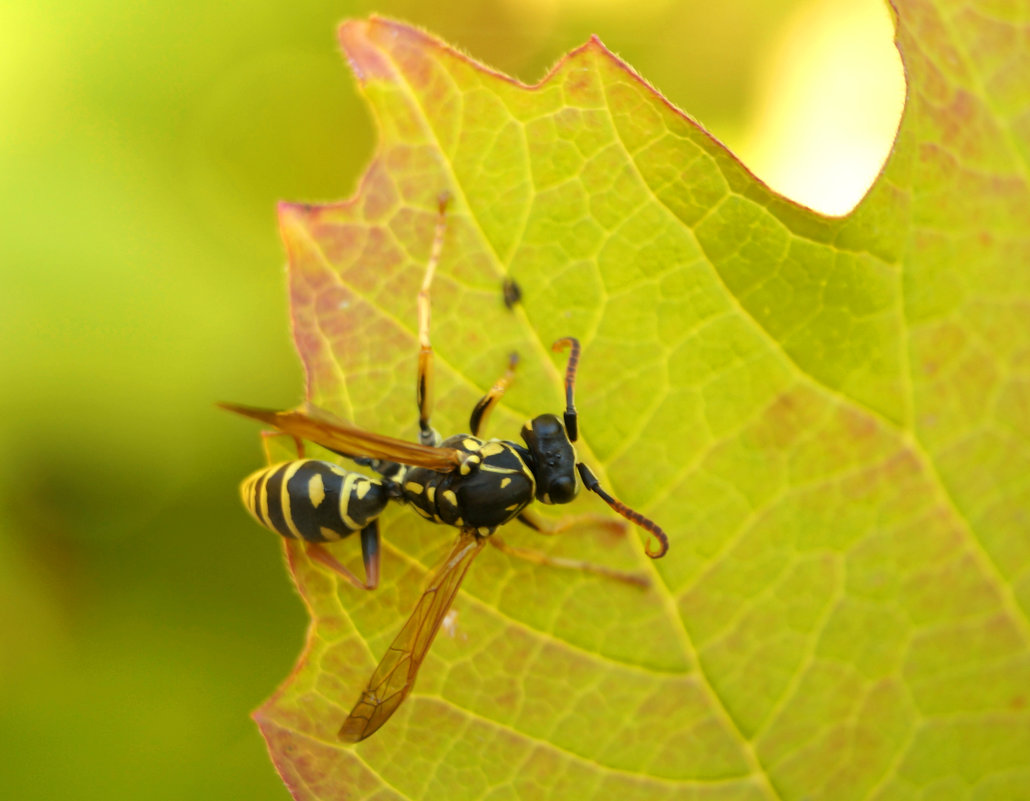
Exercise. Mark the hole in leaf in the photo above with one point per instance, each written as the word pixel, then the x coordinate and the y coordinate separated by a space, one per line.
pixel 828 104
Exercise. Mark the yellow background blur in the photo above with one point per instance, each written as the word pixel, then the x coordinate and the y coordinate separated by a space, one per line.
pixel 142 149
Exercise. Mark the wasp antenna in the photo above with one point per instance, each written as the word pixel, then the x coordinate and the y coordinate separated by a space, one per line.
pixel 591 483
pixel 571 417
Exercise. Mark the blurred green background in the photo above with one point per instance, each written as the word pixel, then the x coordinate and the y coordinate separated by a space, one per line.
pixel 143 147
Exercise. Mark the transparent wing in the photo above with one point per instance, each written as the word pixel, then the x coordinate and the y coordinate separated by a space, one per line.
pixel 395 676
pixel 320 427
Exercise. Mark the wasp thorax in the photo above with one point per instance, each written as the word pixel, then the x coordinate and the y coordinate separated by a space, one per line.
pixel 554 459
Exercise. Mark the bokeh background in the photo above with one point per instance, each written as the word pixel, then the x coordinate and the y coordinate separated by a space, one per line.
pixel 142 149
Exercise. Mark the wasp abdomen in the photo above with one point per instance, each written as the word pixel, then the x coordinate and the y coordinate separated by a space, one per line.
pixel 313 500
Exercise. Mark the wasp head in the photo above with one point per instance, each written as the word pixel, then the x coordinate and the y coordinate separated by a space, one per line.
pixel 554 459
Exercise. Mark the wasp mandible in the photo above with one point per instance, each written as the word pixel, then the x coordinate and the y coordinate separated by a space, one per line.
pixel 473 484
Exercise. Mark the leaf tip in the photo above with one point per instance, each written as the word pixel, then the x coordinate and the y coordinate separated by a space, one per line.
pixel 364 58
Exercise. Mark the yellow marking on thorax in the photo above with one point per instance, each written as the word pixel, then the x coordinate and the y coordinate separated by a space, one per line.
pixel 363 488
pixel 431 493
pixel 450 497
pixel 413 487
pixel 316 490
pixel 489 468
pixel 471 444
pixel 491 448
pixel 505 482
pixel 472 461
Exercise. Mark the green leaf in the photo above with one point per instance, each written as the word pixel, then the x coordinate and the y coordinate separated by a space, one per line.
pixel 830 417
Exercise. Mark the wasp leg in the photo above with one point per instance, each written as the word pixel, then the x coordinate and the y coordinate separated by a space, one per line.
pixel 493 397
pixel 424 384
pixel 542 526
pixel 267 436
pixel 370 551
pixel 538 558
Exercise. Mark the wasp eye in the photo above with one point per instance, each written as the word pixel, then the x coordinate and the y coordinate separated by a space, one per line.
pixel 562 489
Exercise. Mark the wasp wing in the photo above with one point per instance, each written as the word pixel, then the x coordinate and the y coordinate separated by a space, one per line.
pixel 337 435
pixel 395 675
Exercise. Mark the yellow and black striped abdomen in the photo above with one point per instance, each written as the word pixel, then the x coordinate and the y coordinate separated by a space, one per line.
pixel 313 500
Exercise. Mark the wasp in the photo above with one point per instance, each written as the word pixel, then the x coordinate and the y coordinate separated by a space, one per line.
pixel 475 485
